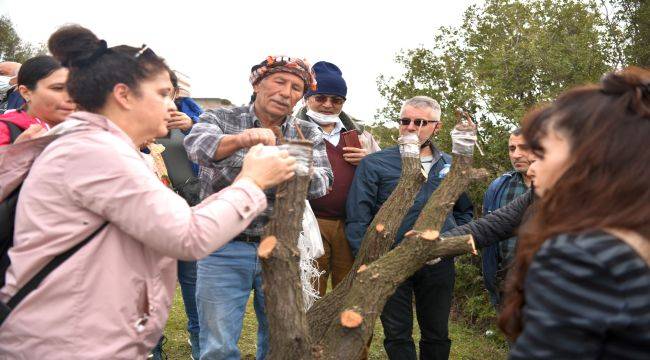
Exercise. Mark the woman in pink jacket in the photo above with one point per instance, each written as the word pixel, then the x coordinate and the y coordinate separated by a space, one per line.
pixel 110 300
pixel 41 82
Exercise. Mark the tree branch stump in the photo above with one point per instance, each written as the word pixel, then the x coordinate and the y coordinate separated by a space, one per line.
pixel 377 282
pixel 373 286
pixel 278 251
pixel 378 239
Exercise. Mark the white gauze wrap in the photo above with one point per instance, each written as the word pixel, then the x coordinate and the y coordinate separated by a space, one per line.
pixel 310 243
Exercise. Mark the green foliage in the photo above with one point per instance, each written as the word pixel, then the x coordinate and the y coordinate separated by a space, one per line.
pixel 385 136
pixel 12 48
pixel 471 301
pixel 505 57
pixel 634 17
pixel 522 53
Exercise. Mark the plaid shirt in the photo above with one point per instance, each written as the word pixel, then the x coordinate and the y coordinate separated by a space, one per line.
pixel 202 142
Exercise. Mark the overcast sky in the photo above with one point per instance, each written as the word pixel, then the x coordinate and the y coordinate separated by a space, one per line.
pixel 217 42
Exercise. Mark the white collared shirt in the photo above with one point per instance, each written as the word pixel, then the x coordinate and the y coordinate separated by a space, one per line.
pixel 335 136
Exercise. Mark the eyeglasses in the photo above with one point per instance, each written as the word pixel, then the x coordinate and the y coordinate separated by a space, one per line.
pixel 336 100
pixel 417 122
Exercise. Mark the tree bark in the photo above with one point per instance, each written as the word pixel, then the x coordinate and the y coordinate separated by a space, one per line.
pixel 343 321
pixel 378 239
pixel 278 251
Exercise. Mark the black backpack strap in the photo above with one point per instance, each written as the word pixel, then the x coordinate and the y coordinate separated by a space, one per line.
pixel 14 131
pixel 33 283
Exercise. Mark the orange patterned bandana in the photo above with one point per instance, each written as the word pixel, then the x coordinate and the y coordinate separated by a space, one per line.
pixel 274 64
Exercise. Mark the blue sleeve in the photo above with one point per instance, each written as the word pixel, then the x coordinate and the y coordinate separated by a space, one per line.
pixel 361 204
pixel 15 101
pixel 463 210
pixel 490 193
pixel 191 108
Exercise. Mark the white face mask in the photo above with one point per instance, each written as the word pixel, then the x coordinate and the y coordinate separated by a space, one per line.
pixel 323 119
pixel 4 85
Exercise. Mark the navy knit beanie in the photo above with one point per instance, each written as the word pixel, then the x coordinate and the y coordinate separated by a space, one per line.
pixel 329 80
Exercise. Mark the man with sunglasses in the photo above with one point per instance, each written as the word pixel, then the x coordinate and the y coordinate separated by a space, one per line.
pixel 219 142
pixel 374 181
pixel 324 107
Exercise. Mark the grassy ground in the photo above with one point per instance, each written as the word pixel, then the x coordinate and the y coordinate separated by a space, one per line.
pixel 467 343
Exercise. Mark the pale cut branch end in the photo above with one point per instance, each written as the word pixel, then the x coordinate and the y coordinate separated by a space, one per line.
pixel 410 233
pixel 430 235
pixel 351 319
pixel 478 174
pixel 472 243
pixel 380 228
pixel 266 247
pixel 362 268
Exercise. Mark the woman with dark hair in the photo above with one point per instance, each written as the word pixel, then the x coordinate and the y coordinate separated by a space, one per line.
pixel 111 298
pixel 41 82
pixel 579 287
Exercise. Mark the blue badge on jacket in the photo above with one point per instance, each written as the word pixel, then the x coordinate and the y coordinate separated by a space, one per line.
pixel 444 171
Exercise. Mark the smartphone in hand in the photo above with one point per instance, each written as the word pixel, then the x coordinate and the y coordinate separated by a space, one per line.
pixel 351 139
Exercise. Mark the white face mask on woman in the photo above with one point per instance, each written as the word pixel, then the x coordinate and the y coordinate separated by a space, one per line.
pixel 323 119
pixel 5 86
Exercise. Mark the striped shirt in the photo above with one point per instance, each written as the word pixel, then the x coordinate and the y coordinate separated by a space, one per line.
pixel 587 296
pixel 202 142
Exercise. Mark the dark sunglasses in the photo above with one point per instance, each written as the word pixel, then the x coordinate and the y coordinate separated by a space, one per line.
pixel 417 122
pixel 321 99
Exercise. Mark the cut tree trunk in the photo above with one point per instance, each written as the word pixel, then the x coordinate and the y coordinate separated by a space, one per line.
pixel 342 329
pixel 373 286
pixel 278 251
pixel 378 239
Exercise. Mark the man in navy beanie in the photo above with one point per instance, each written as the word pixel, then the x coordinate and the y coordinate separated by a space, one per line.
pixel 323 106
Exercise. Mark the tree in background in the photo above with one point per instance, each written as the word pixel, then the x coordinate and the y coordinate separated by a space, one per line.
pixel 504 58
pixel 12 48
pixel 633 16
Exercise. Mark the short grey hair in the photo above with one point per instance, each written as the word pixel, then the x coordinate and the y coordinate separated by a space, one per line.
pixel 421 102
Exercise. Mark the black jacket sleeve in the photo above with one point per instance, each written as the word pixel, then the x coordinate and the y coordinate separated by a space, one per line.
pixel 498 225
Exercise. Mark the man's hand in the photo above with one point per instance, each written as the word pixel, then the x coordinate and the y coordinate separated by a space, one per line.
pixel 32 132
pixel 179 120
pixel 354 155
pixel 254 136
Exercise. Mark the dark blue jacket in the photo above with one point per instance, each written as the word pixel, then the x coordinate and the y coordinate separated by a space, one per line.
pixel 190 107
pixel 374 181
pixel 12 100
pixel 490 254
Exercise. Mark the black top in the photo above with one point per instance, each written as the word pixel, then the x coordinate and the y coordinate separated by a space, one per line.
pixel 501 224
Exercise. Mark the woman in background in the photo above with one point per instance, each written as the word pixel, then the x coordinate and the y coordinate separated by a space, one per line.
pixel 41 82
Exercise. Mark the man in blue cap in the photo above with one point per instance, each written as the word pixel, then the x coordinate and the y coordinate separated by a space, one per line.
pixel 323 106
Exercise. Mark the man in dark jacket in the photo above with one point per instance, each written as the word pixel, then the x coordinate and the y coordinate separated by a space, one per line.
pixel 501 192
pixel 375 179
